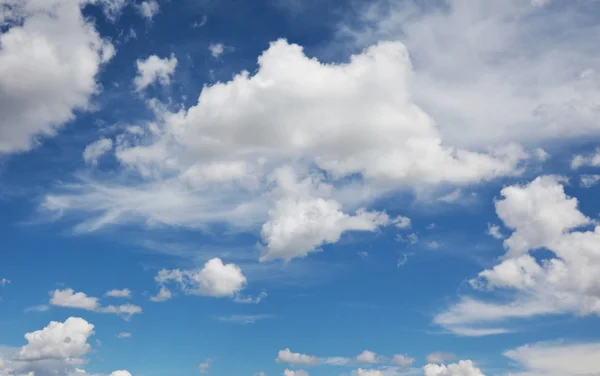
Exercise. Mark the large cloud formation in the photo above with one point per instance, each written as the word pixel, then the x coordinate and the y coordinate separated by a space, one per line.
pixel 284 141
pixel 49 61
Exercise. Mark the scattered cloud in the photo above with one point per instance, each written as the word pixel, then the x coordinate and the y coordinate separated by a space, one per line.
pixel 564 284
pixel 588 181
pixel 154 70
pixel 68 298
pixel 215 279
pixel 95 150
pixel 124 293
pixel 205 366
pixel 148 9
pixel 494 231
pixel 243 319
pixel 124 335
pixel 297 372
pixel 462 368
pixel 582 160
pixel 163 295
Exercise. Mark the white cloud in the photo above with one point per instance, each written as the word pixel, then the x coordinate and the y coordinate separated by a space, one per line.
pixel 214 279
pixel 154 69
pixel 494 231
pixel 216 49
pixel 451 197
pixel 68 298
pixel 369 357
pixel 204 366
pixel 71 299
pixel 200 166
pixel 148 9
pixel 506 50
pixel 286 356
pixel 163 295
pixel 58 349
pixel 566 283
pixel 58 341
pixel 96 149
pixel 239 298
pixel 49 61
pixel 582 160
pixel 556 359
pixel 4 282
pixel 297 227
pixel 124 335
pixel 439 357
pixel 297 372
pixel 243 319
pixel 403 361
pixel 402 222
pixel 124 293
pixel 369 372
pixel 588 181
pixel 462 368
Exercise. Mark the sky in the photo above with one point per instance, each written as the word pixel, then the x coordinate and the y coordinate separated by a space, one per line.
pixel 285 187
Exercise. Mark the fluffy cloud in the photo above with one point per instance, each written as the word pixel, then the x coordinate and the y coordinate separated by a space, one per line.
pixel 403 361
pixel 286 356
pixel 95 150
pixel 568 282
pixel 462 368
pixel 506 50
pixel 68 298
pixel 154 69
pixel 216 49
pixel 369 357
pixel 163 295
pixel 49 61
pixel 297 227
pixel 124 293
pixel 57 349
pixel 556 359
pixel 298 372
pixel 214 279
pixel 58 341
pixel 202 166
pixel 586 160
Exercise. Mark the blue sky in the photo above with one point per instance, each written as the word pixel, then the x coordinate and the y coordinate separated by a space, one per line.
pixel 283 187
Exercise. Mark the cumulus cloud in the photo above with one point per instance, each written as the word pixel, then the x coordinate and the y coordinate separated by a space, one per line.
pixel 216 49
pixel 507 50
pixel 297 227
pixel 556 359
pixel 154 69
pixel 49 62
pixel 215 279
pixel 403 361
pixel 566 283
pixel 462 368
pixel 202 166
pixel 286 356
pixel 96 149
pixel 163 295
pixel 369 357
pixel 68 298
pixel 57 349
